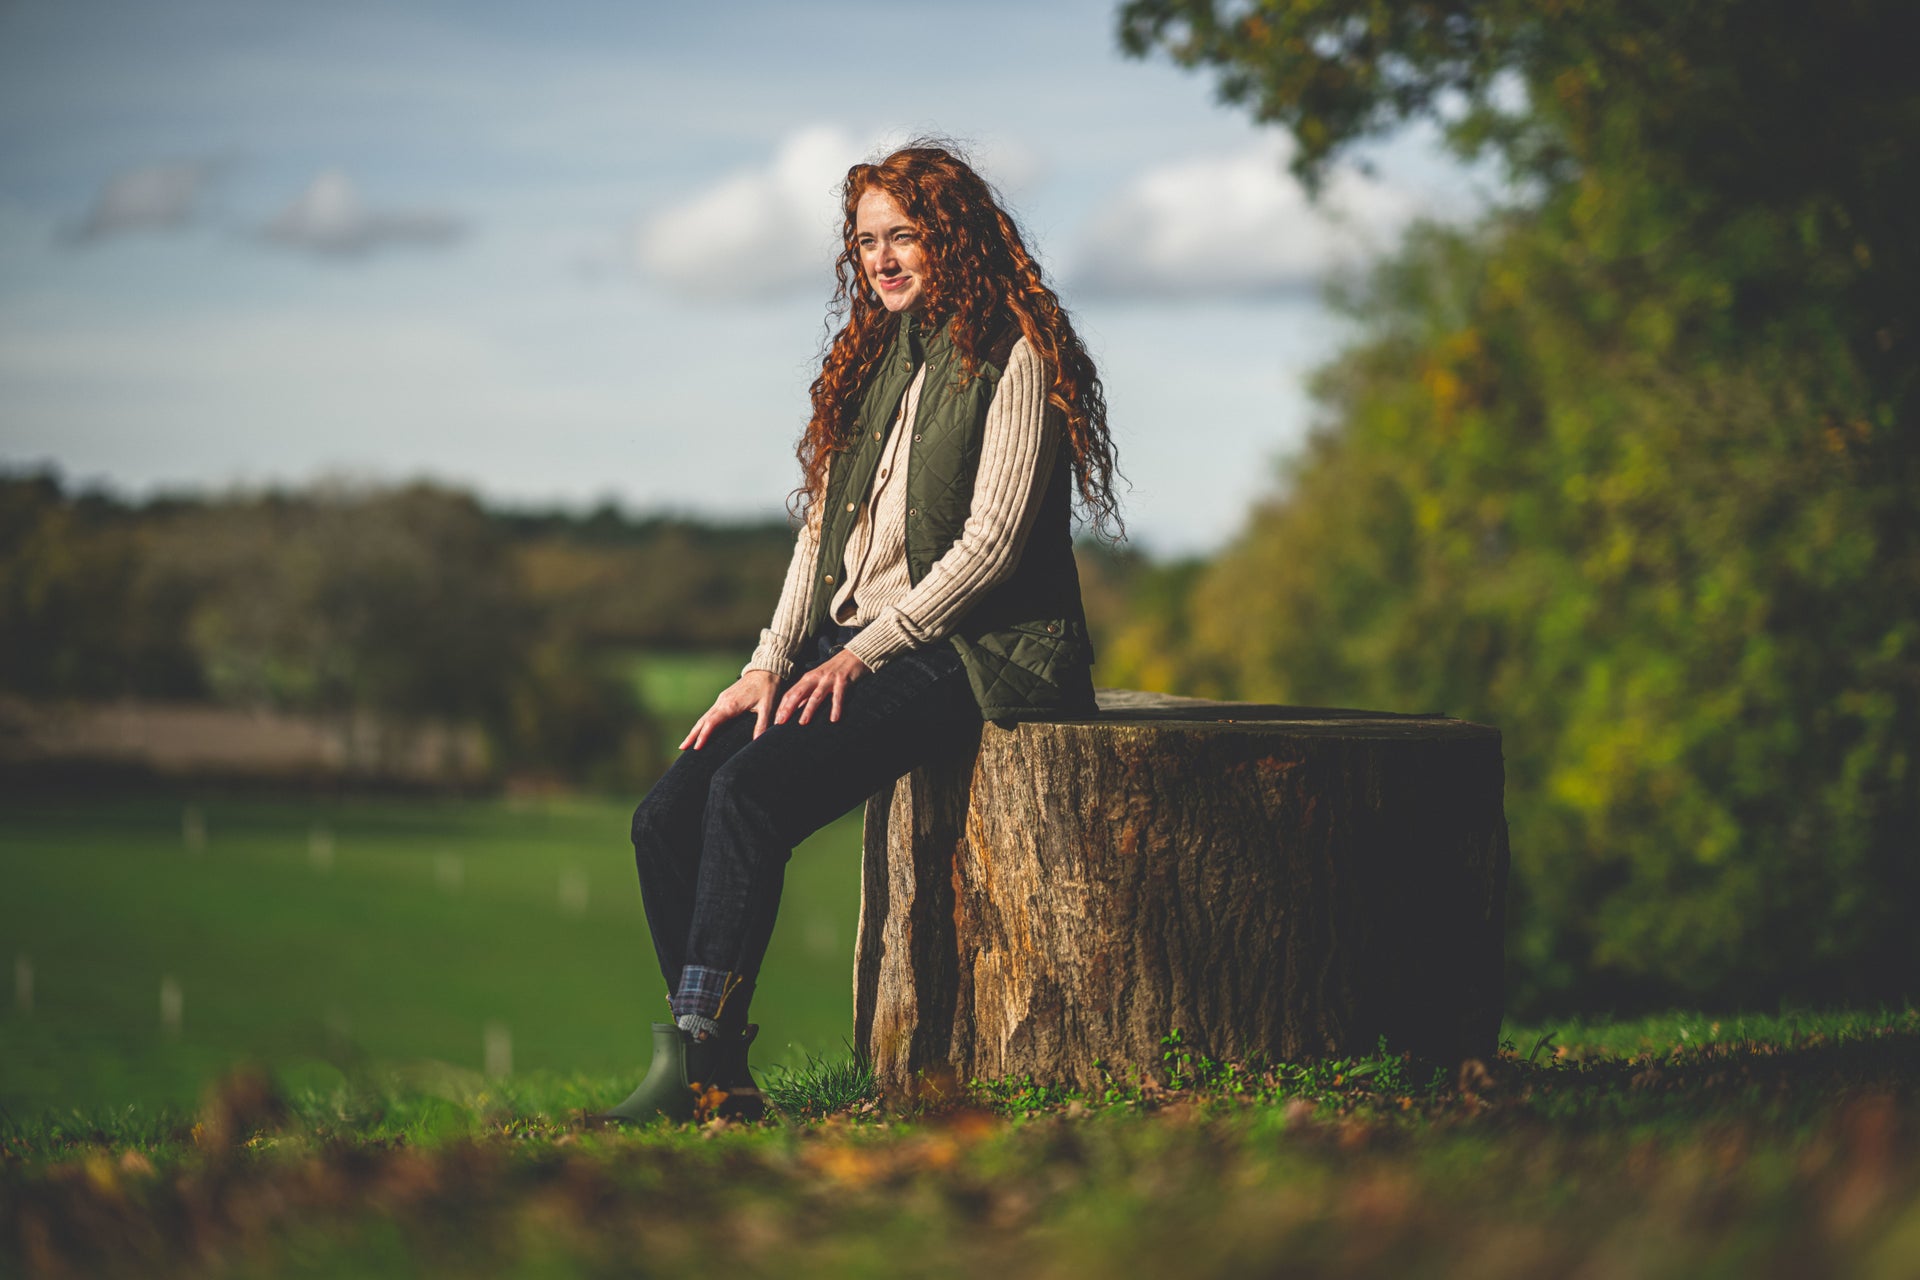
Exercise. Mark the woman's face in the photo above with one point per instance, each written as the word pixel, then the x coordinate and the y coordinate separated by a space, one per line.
pixel 891 255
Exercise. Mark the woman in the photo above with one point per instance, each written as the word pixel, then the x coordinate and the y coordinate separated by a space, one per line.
pixel 932 586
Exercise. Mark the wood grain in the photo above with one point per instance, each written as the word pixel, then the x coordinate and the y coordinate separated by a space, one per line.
pixel 1273 882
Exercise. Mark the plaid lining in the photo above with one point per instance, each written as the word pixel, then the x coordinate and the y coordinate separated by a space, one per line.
pixel 702 991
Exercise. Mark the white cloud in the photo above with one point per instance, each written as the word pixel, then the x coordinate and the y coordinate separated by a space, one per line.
pixel 772 231
pixel 759 232
pixel 1236 225
pixel 329 219
pixel 155 197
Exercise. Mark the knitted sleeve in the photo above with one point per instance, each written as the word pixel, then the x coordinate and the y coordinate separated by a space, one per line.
pixel 1020 438
pixel 780 643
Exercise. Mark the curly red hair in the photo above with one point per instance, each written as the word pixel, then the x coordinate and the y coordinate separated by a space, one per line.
pixel 980 271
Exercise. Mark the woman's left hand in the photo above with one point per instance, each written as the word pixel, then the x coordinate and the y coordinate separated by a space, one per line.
pixel 828 681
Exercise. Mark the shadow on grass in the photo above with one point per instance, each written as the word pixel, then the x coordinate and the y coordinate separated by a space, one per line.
pixel 1784 1084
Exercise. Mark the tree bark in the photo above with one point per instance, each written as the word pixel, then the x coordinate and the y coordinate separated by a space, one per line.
pixel 1274 883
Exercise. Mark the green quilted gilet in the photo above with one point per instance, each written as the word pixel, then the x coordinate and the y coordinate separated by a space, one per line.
pixel 1024 643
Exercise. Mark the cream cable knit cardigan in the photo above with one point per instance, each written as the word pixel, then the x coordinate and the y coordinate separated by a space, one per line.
pixel 1019 440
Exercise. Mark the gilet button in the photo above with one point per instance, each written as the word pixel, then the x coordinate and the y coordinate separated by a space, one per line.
pixel 876 435
pixel 849 506
pixel 916 435
pixel 829 579
pixel 912 512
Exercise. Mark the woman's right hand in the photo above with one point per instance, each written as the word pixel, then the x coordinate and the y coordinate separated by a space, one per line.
pixel 753 692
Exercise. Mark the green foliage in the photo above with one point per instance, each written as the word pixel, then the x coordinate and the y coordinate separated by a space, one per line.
pixel 1020 1097
pixel 398 607
pixel 350 600
pixel 78 618
pixel 819 1087
pixel 1383 1082
pixel 1138 614
pixel 1628 470
pixel 654 583
pixel 1668 592
pixel 572 717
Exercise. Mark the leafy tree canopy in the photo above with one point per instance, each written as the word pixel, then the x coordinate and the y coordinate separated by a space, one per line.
pixel 1628 469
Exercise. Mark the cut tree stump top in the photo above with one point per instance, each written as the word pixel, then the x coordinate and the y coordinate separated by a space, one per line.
pixel 1122 707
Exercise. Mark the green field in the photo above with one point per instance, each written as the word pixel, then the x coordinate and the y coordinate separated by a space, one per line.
pixel 271 1036
pixel 162 938
pixel 309 934
pixel 677 687
pixel 359 951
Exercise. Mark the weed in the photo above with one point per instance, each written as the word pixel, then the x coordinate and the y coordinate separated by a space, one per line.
pixel 820 1087
pixel 1020 1097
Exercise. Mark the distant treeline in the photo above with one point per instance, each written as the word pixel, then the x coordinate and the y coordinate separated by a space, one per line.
pixel 413 603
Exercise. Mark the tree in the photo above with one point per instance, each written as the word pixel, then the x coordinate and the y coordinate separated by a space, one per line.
pixel 77 617
pixel 408 605
pixel 1629 469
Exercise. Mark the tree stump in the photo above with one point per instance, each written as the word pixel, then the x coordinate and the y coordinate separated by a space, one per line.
pixel 1278 883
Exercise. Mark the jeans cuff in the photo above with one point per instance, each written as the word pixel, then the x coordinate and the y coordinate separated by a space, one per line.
pixel 702 991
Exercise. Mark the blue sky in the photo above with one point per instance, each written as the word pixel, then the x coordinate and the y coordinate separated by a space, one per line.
pixel 571 251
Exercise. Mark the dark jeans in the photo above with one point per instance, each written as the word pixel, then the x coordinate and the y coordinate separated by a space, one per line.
pixel 712 838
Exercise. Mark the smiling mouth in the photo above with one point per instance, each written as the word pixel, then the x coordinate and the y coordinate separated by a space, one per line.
pixel 897 282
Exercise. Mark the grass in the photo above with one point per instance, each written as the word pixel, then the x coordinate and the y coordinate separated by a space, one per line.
pixel 821 1087
pixel 1790 1083
pixel 312 936
pixel 677 687
pixel 322 1105
pixel 1583 1038
pixel 1789 1156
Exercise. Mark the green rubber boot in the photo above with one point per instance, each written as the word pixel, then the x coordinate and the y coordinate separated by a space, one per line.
pixel 667 1091
pixel 680 1063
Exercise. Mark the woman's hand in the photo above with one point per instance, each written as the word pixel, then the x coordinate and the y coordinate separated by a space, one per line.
pixel 751 692
pixel 828 680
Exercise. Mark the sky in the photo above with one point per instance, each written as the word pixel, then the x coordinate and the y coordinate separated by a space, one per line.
pixel 577 251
